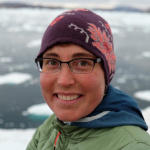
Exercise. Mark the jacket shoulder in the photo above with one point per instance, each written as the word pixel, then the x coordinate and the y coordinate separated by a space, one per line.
pixel 118 138
pixel 139 138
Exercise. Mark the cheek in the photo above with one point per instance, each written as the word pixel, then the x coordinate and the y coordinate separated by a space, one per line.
pixel 46 85
pixel 42 79
pixel 94 82
pixel 95 86
pixel 96 90
pixel 43 83
pixel 45 80
pixel 46 88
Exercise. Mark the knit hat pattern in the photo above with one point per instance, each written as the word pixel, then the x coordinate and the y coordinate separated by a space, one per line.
pixel 86 29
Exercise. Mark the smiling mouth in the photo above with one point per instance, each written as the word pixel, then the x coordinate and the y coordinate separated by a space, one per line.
pixel 68 97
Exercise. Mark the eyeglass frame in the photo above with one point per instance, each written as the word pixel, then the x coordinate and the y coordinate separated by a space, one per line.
pixel 96 60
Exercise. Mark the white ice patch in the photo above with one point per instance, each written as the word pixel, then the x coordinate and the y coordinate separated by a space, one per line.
pixel 128 21
pixel 122 80
pixel 146 114
pixel 146 54
pixel 14 29
pixel 143 95
pixel 19 67
pixel 15 139
pixel 34 43
pixel 14 78
pixel 115 30
pixel 5 59
pixel 39 109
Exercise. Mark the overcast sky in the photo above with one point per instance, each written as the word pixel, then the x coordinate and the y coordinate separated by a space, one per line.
pixel 83 3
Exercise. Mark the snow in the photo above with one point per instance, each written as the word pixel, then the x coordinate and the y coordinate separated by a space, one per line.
pixel 143 95
pixel 146 114
pixel 16 139
pixel 14 78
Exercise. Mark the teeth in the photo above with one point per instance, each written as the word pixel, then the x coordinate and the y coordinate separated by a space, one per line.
pixel 68 98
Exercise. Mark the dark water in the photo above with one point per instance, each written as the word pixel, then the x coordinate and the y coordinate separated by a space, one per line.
pixel 132 71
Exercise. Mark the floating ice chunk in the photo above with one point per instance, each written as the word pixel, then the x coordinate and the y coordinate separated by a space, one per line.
pixel 34 43
pixel 28 27
pixel 146 114
pixel 14 29
pixel 115 30
pixel 17 138
pixel 5 59
pixel 122 80
pixel 40 110
pixel 19 67
pixel 143 95
pixel 146 54
pixel 14 78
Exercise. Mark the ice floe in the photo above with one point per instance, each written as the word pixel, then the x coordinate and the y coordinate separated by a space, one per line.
pixel 19 67
pixel 39 109
pixel 6 59
pixel 146 54
pixel 122 80
pixel 16 139
pixel 143 95
pixel 146 114
pixel 34 43
pixel 14 78
pixel 38 20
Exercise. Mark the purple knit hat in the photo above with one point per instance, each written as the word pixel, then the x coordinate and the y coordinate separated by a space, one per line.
pixel 86 29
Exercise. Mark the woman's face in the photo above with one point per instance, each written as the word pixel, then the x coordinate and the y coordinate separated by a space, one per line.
pixel 72 96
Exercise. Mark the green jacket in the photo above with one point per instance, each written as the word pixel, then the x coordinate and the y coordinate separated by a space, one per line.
pixel 75 138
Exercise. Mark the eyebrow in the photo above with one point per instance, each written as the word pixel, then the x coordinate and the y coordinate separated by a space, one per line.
pixel 51 54
pixel 76 55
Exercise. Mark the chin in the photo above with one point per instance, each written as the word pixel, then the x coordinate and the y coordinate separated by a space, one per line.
pixel 67 119
pixel 72 118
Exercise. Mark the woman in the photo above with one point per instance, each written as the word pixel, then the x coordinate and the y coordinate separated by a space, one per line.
pixel 77 63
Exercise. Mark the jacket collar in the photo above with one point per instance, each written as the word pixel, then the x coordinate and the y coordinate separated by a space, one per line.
pixel 116 109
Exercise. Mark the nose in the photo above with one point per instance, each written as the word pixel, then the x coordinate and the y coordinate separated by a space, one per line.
pixel 66 77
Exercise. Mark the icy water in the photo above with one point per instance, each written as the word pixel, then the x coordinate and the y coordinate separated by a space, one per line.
pixel 21 31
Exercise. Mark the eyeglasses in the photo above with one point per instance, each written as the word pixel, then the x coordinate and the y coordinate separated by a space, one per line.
pixel 80 65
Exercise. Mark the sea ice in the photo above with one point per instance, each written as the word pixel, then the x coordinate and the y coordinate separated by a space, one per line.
pixel 34 43
pixel 16 139
pixel 146 114
pixel 39 109
pixel 14 78
pixel 5 59
pixel 122 80
pixel 143 95
pixel 146 54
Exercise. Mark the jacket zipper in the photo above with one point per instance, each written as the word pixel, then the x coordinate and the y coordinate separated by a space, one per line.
pixel 56 140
